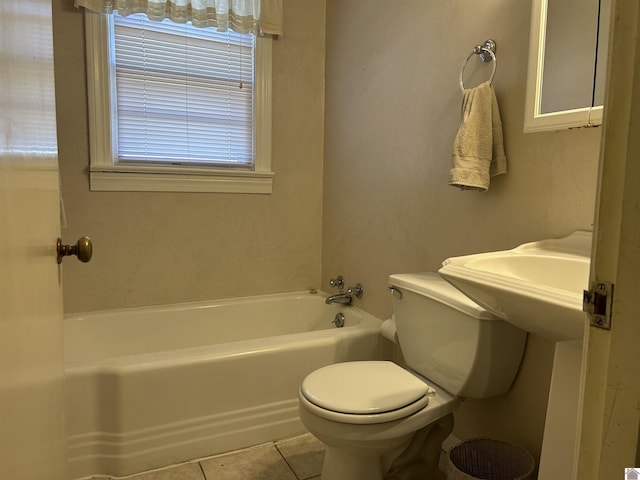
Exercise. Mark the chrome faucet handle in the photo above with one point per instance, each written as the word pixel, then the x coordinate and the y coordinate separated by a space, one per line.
pixel 356 291
pixel 337 282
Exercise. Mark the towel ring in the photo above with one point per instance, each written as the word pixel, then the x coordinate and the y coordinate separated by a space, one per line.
pixel 486 54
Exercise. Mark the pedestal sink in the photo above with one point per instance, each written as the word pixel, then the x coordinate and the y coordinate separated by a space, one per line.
pixel 537 286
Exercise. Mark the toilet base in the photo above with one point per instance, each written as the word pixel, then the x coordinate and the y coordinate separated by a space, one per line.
pixel 421 459
pixel 415 456
pixel 340 466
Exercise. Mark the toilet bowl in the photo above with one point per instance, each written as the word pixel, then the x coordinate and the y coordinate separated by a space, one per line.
pixel 382 421
pixel 364 437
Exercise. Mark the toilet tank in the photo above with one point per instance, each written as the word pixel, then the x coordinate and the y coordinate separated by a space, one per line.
pixel 452 341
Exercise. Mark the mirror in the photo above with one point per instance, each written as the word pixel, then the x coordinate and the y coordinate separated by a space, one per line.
pixel 567 64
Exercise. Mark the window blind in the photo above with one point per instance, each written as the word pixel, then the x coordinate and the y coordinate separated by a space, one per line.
pixel 185 95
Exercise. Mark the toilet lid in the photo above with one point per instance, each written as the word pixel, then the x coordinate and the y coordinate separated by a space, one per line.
pixel 371 388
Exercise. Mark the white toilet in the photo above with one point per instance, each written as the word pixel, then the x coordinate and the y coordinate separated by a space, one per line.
pixel 380 421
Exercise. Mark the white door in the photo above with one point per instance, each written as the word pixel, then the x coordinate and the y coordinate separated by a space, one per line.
pixel 32 438
pixel 611 403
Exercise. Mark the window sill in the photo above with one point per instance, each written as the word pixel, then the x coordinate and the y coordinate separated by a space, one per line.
pixel 172 179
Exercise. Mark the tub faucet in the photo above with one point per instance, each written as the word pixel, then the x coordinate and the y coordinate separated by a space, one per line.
pixel 342 298
pixel 345 298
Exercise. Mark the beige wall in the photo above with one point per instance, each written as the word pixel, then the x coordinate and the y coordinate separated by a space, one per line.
pixel 155 248
pixel 392 111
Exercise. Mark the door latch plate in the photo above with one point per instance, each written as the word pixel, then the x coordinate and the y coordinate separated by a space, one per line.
pixel 597 302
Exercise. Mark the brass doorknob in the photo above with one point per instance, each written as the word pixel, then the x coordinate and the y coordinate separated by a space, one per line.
pixel 83 249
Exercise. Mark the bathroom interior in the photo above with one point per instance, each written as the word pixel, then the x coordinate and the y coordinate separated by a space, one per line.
pixel 362 132
pixel 366 105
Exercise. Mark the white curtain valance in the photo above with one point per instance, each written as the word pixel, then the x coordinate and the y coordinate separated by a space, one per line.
pixel 242 16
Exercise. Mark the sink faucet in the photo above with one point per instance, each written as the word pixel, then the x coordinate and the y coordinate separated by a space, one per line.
pixel 345 298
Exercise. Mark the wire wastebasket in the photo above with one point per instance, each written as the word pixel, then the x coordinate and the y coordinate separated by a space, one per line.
pixel 489 459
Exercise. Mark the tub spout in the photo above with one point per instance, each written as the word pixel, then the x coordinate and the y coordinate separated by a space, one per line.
pixel 343 298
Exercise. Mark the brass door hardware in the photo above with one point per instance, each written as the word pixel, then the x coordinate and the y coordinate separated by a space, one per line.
pixel 83 249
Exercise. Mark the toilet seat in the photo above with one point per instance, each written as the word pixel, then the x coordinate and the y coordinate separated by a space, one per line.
pixel 364 392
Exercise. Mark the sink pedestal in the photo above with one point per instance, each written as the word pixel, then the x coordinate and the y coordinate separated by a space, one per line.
pixel 560 429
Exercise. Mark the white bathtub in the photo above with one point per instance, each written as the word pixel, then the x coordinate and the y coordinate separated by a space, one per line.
pixel 153 386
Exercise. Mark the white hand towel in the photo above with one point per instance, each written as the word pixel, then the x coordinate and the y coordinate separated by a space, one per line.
pixel 478 150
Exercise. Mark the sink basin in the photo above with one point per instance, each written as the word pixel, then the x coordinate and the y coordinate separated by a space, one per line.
pixel 537 286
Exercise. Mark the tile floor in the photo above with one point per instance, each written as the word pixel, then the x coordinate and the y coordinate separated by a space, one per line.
pixel 298 458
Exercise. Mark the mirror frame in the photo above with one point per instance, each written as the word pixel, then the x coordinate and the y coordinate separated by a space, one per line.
pixel 534 119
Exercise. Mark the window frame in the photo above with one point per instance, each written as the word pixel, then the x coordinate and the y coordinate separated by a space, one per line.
pixel 106 175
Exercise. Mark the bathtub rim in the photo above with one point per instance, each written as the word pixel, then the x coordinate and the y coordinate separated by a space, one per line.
pixel 199 304
pixel 191 354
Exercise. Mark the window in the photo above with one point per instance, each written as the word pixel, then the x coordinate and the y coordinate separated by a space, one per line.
pixel 177 108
